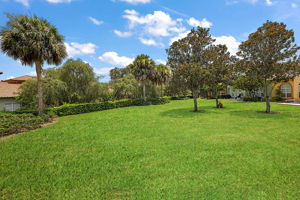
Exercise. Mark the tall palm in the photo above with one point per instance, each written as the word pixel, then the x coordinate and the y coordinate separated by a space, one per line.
pixel 33 41
pixel 143 68
pixel 162 75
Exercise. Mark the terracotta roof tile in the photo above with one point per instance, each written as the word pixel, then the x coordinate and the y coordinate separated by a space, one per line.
pixel 8 90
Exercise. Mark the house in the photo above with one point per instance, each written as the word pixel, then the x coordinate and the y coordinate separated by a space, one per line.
pixel 9 91
pixel 289 91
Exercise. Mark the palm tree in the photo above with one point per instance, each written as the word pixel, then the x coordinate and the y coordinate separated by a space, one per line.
pixel 143 69
pixel 162 75
pixel 33 41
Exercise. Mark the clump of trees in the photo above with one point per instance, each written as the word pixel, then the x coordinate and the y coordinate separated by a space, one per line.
pixel 143 78
pixel 198 63
pixel 74 82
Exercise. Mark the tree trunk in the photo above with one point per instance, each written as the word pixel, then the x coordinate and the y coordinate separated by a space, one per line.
pixel 144 91
pixel 38 68
pixel 195 96
pixel 217 99
pixel 162 92
pixel 268 105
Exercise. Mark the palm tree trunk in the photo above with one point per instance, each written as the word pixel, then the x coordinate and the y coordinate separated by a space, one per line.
pixel 195 96
pixel 268 105
pixel 38 68
pixel 144 91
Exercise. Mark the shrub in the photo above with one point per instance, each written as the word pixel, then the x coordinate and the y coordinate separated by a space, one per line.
pixel 11 123
pixel 179 98
pixel 220 105
pixel 253 99
pixel 72 109
pixel 276 98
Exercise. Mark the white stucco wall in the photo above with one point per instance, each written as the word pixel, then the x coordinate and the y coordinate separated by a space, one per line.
pixel 7 102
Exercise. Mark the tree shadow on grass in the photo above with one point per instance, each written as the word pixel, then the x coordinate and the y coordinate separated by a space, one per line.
pixel 257 114
pixel 188 112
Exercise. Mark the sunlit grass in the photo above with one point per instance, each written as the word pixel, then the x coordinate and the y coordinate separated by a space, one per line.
pixel 158 152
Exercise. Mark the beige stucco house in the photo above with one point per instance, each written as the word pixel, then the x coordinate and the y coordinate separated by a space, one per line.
pixel 9 91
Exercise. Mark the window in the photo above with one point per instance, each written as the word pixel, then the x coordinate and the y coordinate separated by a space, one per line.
pixel 286 91
pixel 12 106
pixel 299 90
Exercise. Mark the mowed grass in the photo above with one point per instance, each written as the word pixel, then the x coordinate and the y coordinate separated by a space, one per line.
pixel 158 152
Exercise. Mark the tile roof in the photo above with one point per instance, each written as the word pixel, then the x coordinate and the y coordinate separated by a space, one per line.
pixel 9 88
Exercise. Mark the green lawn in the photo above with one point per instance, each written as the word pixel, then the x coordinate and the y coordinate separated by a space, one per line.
pixel 158 152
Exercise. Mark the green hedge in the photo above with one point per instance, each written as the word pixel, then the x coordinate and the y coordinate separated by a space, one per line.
pixel 11 123
pixel 73 109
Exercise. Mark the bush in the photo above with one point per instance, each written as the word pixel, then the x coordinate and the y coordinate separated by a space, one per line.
pixel 252 99
pixel 276 99
pixel 179 98
pixel 226 96
pixel 11 123
pixel 220 105
pixel 73 109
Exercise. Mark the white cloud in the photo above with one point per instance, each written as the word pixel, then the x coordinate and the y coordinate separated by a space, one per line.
pixel 203 23
pixel 269 2
pixel 122 34
pixel 114 59
pixel 59 1
pixel 75 48
pixel 33 73
pixel 24 2
pixel 157 24
pixel 103 70
pixel 150 42
pixel 178 37
pixel 95 21
pixel 160 61
pixel 230 41
pixel 294 5
pixel 135 1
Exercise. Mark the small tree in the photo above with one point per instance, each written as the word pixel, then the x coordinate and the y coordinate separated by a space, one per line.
pixel 33 41
pixel 189 57
pixel 220 69
pixel 143 70
pixel 271 54
pixel 78 76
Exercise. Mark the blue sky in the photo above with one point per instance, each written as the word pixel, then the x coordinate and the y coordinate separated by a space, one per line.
pixel 110 33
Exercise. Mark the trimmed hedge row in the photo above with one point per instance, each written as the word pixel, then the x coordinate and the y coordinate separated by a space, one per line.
pixel 14 123
pixel 73 109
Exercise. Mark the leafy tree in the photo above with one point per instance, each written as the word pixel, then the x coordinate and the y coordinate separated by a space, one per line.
pixel 190 58
pixel 143 70
pixel 54 93
pixel 161 76
pixel 33 41
pixel 248 83
pixel 97 91
pixel 118 73
pixel 78 76
pixel 220 70
pixel 125 87
pixel 271 54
